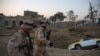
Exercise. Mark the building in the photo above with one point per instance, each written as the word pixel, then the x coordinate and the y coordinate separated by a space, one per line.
pixel 2 17
pixel 8 24
pixel 13 21
pixel 32 15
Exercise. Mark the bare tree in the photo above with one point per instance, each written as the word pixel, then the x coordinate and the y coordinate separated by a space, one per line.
pixel 98 10
pixel 92 15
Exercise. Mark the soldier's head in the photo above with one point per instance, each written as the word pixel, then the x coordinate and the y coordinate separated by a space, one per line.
pixel 44 24
pixel 27 25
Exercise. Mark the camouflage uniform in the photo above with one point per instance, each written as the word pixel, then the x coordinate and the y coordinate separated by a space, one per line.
pixel 18 45
pixel 40 43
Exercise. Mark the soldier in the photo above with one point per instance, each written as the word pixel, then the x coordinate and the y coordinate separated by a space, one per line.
pixel 48 31
pixel 21 44
pixel 41 40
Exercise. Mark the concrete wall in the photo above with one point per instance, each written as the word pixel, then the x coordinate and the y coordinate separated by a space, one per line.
pixel 61 24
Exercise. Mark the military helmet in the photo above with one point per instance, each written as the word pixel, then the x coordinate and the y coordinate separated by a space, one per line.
pixel 27 24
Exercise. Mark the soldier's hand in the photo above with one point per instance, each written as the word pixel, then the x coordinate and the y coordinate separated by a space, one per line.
pixel 51 44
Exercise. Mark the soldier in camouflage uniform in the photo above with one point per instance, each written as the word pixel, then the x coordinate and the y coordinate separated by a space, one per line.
pixel 20 43
pixel 40 40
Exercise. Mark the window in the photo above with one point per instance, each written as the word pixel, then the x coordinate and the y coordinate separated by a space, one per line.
pixel 87 38
pixel 6 23
pixel 13 23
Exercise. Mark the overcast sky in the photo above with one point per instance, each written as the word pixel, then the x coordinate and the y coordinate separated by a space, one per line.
pixel 46 7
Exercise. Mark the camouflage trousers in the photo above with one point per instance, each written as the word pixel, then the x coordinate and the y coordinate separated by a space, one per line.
pixel 38 51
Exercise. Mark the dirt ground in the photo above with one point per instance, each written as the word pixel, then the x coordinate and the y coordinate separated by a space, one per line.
pixel 61 39
pixel 51 51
